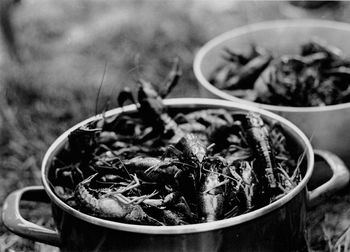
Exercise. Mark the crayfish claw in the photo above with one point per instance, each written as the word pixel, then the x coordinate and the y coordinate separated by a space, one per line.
pixel 125 95
pixel 172 78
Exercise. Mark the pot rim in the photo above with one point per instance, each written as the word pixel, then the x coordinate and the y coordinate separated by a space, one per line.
pixel 251 28
pixel 191 228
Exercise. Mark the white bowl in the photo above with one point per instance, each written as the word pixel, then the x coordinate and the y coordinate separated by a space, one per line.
pixel 328 126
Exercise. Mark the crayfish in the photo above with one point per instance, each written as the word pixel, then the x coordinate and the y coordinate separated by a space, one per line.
pixel 317 76
pixel 152 167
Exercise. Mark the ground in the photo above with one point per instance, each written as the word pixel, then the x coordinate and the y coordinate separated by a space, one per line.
pixel 64 47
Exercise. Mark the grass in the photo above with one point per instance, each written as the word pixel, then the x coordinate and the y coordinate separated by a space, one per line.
pixel 64 47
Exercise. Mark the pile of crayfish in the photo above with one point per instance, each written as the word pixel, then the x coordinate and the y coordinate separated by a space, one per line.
pixel 154 167
pixel 316 76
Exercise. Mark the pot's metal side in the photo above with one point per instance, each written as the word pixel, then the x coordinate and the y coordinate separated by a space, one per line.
pixel 327 130
pixel 299 141
pixel 280 230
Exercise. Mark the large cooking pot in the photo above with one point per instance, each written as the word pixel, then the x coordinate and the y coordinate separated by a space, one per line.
pixel 279 226
pixel 328 125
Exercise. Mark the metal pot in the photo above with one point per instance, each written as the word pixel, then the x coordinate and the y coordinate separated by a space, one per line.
pixel 279 226
pixel 328 125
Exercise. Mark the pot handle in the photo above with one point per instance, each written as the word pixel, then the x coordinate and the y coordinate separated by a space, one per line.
pixel 13 220
pixel 339 179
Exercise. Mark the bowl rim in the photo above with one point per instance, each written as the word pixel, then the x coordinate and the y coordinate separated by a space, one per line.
pixel 191 228
pixel 266 25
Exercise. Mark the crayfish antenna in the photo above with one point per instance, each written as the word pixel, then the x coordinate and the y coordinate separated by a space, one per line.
pixel 172 79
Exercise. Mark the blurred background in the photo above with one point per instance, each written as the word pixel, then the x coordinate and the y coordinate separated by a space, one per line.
pixel 55 54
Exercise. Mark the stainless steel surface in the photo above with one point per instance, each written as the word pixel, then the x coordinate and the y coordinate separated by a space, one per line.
pixel 326 127
pixel 340 177
pixel 189 103
pixel 271 228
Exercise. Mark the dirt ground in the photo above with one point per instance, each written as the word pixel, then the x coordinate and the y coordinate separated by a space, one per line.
pixel 62 49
